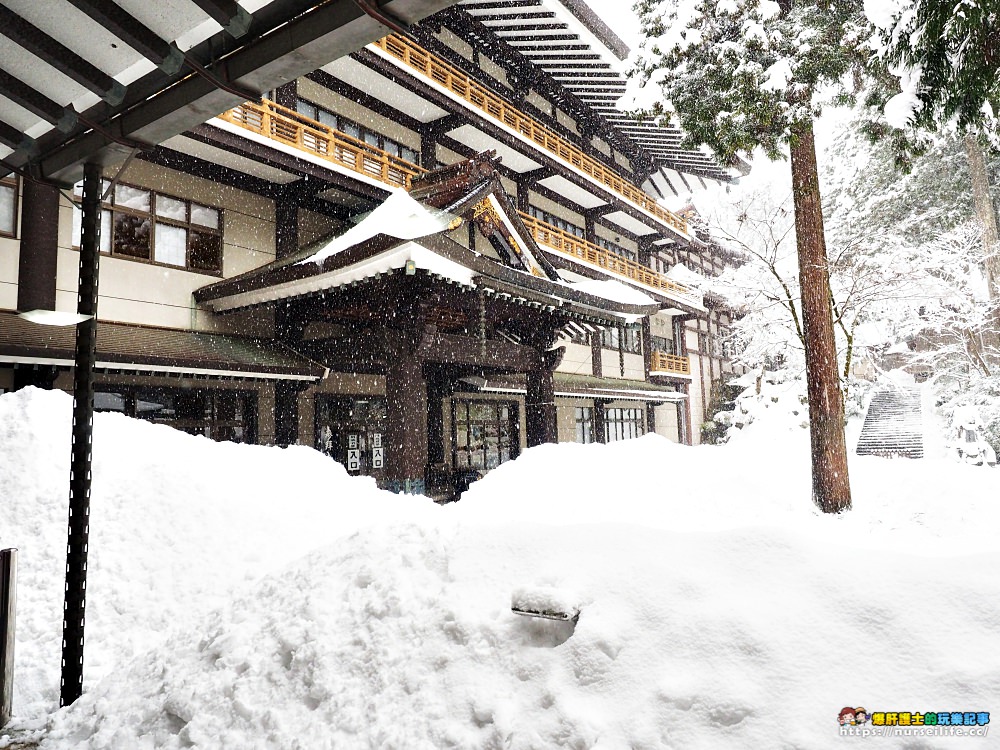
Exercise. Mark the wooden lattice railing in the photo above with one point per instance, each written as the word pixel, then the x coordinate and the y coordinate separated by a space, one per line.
pixel 486 101
pixel 288 126
pixel 661 362
pixel 569 244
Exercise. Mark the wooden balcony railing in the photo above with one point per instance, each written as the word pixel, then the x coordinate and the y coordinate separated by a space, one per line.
pixel 671 364
pixel 288 126
pixel 485 100
pixel 569 244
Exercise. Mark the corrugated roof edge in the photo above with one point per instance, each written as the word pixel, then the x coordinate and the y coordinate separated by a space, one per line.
pixel 585 14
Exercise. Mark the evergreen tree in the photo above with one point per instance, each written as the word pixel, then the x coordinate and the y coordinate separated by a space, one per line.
pixel 946 57
pixel 744 74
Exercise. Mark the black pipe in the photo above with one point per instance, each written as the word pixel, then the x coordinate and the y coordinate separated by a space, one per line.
pixel 74 605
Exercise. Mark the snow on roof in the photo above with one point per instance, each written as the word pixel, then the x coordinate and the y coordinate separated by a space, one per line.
pixel 398 216
pixel 612 290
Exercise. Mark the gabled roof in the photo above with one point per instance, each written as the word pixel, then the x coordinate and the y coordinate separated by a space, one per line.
pixel 469 191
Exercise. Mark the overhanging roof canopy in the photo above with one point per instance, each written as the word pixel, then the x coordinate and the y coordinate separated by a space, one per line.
pixel 159 350
pixel 94 80
pixel 569 42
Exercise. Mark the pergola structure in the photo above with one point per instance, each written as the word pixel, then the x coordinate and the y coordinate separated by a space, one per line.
pixel 86 85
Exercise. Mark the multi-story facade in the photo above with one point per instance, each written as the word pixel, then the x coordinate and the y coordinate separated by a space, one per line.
pixel 246 293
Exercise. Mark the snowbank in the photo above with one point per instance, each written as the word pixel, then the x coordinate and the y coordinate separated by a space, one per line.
pixel 717 608
pixel 178 523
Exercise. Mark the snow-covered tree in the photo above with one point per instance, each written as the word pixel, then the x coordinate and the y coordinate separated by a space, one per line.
pixel 945 57
pixel 744 74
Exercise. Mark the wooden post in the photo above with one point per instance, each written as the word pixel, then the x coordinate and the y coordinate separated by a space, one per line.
pixel 406 426
pixel 8 598
pixel 540 407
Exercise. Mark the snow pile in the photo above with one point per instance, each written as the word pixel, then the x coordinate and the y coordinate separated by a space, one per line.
pixel 714 602
pixel 177 524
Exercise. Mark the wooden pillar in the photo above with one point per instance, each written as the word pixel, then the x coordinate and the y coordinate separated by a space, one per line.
pixel 523 196
pixel 286 227
pixel 600 421
pixel 36 272
pixel 438 389
pixel 540 407
pixel 287 95
pixel 595 354
pixel 286 412
pixel 406 425
pixel 428 150
pixel 647 345
pixel 651 416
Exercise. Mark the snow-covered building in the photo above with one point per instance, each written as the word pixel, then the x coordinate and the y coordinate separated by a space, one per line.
pixel 422 258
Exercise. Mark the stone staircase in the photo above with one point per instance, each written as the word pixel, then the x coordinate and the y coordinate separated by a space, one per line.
pixel 894 424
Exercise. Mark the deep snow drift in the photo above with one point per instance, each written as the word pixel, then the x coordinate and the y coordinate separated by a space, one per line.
pixel 255 597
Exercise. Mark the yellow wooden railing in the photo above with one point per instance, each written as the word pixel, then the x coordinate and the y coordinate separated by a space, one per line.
pixel 661 362
pixel 570 244
pixel 485 100
pixel 288 126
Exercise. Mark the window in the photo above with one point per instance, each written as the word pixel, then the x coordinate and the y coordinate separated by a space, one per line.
pixel 8 206
pixel 630 344
pixel 147 225
pixel 618 250
pixel 622 424
pixel 217 414
pixel 354 130
pixel 584 424
pixel 556 221
pixel 484 433
pixel 662 344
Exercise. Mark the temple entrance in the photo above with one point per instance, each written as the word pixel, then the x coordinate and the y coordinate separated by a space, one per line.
pixel 351 430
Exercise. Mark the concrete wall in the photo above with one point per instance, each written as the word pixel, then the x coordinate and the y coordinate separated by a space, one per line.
pixel 578 359
pixel 9 253
pixel 635 366
pixel 341 105
pixel 566 417
pixel 661 325
pixel 555 209
pixel 146 293
pixel 666 421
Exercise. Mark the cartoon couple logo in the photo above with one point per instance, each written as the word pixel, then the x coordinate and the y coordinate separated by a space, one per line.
pixel 852 716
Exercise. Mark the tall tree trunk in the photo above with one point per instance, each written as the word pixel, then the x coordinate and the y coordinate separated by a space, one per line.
pixel 985 212
pixel 831 486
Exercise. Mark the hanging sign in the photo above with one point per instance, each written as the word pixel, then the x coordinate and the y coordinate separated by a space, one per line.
pixel 352 441
pixel 354 460
pixel 378 458
pixel 376 440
